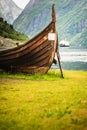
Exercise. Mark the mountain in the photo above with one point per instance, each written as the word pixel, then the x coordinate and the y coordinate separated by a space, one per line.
pixel 71 19
pixel 7 31
pixel 9 10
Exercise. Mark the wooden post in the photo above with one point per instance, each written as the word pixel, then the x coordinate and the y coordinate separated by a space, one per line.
pixel 58 57
pixel 57 48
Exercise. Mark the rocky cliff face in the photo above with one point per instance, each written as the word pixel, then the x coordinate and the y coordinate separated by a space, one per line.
pixel 9 10
pixel 71 18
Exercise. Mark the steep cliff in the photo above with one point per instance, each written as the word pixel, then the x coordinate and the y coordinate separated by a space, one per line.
pixel 9 10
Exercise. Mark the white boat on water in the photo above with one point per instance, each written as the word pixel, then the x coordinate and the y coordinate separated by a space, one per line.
pixel 64 43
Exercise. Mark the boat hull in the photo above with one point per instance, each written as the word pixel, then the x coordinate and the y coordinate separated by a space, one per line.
pixel 35 56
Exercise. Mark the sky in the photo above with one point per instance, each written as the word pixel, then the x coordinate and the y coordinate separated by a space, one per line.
pixel 21 3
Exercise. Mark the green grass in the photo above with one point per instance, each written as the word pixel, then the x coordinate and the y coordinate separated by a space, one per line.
pixel 51 75
pixel 45 102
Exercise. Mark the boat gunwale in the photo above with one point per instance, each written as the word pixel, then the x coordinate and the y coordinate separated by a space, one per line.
pixel 17 48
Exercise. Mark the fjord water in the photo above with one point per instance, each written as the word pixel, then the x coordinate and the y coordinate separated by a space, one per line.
pixel 72 59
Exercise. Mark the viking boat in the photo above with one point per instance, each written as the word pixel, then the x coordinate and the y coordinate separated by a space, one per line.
pixel 36 55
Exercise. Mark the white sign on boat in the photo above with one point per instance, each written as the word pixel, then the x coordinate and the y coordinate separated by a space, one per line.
pixel 51 36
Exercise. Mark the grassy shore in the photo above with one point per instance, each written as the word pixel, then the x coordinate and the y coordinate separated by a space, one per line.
pixel 45 102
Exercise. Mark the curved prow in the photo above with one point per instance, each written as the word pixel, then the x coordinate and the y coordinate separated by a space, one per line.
pixel 53 13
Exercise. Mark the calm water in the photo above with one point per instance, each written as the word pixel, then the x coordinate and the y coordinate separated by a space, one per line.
pixel 73 59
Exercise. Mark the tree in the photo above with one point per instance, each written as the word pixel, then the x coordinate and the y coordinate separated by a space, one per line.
pixel 1 19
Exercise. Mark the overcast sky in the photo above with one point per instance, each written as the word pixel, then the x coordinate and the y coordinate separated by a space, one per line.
pixel 21 3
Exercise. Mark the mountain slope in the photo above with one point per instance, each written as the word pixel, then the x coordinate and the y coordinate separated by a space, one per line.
pixel 9 10
pixel 7 31
pixel 71 18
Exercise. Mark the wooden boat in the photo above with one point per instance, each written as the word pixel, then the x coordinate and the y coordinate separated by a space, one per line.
pixel 36 55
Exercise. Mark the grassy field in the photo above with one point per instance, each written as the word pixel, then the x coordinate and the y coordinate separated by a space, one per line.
pixel 45 102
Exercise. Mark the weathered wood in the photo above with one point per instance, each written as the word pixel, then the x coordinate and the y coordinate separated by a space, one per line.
pixel 58 57
pixel 36 55
pixel 57 42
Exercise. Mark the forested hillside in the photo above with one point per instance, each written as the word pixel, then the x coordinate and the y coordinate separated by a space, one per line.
pixel 9 37
pixel 7 31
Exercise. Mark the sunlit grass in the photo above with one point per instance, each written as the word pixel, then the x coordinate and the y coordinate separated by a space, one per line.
pixel 45 102
pixel 51 75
